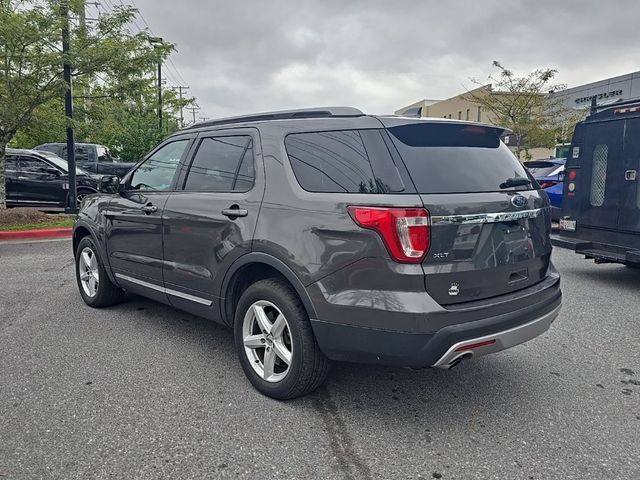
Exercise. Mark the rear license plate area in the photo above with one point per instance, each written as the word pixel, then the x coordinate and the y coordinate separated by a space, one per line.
pixel 568 225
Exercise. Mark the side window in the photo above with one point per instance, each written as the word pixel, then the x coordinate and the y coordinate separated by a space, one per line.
pixel 32 165
pixel 598 175
pixel 222 164
pixel 156 173
pixel 103 155
pixel 339 162
pixel 11 164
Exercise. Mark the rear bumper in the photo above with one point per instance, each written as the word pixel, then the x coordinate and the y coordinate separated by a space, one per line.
pixel 464 325
pixel 601 252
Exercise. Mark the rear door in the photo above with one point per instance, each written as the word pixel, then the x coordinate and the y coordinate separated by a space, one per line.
pixel 489 234
pixel 629 215
pixel 601 186
pixel 11 179
pixel 210 222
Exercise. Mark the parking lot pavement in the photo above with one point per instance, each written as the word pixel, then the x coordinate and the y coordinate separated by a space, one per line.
pixel 141 390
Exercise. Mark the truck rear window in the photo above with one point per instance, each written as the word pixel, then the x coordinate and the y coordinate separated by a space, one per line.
pixel 457 158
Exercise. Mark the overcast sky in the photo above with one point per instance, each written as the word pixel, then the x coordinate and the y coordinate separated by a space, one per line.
pixel 242 56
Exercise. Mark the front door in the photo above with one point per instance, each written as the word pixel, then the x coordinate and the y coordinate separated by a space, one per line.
pixel 134 220
pixel 629 217
pixel 40 183
pixel 210 222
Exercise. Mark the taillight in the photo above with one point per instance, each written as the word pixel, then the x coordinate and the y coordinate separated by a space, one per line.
pixel 546 184
pixel 405 231
pixel 571 175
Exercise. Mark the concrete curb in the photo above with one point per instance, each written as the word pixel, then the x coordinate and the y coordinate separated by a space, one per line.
pixel 36 234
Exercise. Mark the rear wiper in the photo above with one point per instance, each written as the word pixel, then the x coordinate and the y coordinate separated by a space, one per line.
pixel 515 182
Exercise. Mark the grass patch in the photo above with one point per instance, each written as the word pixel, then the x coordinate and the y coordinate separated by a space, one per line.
pixel 31 219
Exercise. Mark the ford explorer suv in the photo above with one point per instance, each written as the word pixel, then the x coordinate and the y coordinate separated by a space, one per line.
pixel 329 235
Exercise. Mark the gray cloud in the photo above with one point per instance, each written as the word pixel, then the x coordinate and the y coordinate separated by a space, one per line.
pixel 249 56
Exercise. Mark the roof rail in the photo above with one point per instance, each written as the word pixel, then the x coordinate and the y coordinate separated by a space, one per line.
pixel 319 112
pixel 595 108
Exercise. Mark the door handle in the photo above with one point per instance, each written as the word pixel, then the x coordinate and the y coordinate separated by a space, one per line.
pixel 234 212
pixel 149 209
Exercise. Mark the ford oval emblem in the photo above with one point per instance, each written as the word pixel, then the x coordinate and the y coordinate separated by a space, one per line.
pixel 518 201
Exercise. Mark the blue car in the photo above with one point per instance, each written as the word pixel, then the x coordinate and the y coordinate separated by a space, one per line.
pixel 550 175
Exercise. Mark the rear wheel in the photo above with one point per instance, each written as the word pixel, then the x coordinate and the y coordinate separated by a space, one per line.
pixel 94 284
pixel 276 346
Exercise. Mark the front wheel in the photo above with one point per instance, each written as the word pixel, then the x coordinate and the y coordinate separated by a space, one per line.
pixel 276 346
pixel 94 284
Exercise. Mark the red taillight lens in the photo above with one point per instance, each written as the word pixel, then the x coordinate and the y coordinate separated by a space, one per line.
pixel 546 184
pixel 405 231
pixel 471 346
pixel 572 175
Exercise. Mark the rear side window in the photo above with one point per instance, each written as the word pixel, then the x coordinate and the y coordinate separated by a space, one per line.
pixel 222 164
pixel 598 175
pixel 457 158
pixel 343 161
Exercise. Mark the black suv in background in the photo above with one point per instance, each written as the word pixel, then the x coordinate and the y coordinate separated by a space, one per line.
pixel 41 179
pixel 91 157
pixel 330 234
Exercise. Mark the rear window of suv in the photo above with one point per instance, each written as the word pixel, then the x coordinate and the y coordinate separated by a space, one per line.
pixel 344 161
pixel 456 158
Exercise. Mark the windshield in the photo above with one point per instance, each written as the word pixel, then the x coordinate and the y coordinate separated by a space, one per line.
pixel 61 163
pixel 458 158
pixel 103 154
pixel 539 169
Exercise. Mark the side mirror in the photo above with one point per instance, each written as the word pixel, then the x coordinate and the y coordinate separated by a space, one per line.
pixel 109 184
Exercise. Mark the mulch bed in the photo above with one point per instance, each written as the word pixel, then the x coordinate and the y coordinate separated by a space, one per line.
pixel 27 216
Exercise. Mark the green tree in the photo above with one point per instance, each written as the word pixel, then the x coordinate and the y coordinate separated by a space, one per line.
pixel 31 61
pixel 522 104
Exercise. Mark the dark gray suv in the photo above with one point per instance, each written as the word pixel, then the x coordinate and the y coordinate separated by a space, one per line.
pixel 328 234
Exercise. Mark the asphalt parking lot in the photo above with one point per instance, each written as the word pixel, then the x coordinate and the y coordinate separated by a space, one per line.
pixel 142 391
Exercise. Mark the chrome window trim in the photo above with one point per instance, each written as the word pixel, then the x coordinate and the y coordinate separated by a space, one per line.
pixel 168 291
pixel 486 217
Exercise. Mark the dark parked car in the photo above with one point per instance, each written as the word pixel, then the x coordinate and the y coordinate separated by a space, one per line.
pixel 91 157
pixel 41 179
pixel 549 173
pixel 330 234
pixel 601 208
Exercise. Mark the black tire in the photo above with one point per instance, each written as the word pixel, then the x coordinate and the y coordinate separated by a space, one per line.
pixel 309 366
pixel 82 192
pixel 106 293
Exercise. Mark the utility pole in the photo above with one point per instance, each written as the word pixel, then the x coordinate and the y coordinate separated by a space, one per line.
pixel 193 112
pixel 154 41
pixel 180 88
pixel 72 206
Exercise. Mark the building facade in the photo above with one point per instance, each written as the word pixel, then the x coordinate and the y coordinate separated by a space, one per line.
pixel 462 106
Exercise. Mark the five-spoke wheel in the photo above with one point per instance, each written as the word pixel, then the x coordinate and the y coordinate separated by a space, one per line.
pixel 267 341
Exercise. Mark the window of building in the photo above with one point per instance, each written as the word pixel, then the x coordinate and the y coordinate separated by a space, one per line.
pixel 449 115
pixel 460 115
pixel 222 164
pixel 479 114
pixel 157 172
pixel 467 117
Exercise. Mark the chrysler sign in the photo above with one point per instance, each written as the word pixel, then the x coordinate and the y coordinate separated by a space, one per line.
pixel 599 96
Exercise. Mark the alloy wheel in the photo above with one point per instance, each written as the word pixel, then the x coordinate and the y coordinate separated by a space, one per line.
pixel 267 341
pixel 88 271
